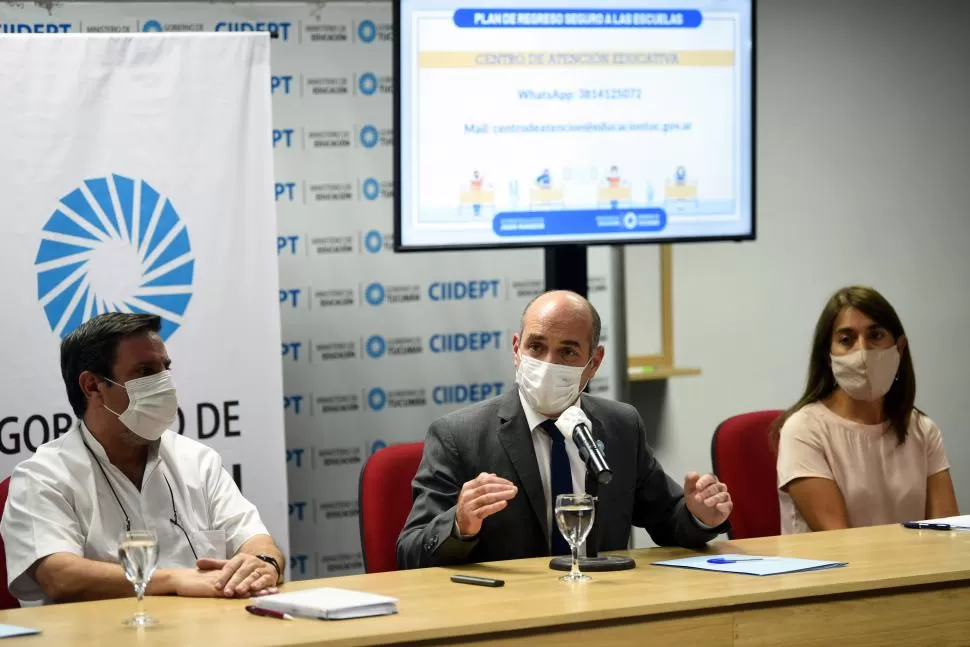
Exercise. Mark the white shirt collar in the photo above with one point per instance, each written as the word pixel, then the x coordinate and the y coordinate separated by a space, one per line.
pixel 98 449
pixel 88 438
pixel 533 417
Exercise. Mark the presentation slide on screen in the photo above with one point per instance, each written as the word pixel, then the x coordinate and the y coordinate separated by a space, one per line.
pixel 561 122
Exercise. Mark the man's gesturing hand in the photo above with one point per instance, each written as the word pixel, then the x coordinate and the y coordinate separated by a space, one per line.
pixel 479 498
pixel 707 499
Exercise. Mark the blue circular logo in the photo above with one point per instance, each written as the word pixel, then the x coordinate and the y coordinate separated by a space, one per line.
pixel 681 173
pixel 376 346
pixel 101 251
pixel 369 136
pixel 374 294
pixel 373 241
pixel 376 398
pixel 377 445
pixel 371 188
pixel 367 84
pixel 152 25
pixel 367 31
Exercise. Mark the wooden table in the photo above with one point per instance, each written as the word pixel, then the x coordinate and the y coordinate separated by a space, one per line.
pixel 901 587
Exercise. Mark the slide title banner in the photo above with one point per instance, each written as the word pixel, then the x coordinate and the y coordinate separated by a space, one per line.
pixel 573 18
pixel 574 59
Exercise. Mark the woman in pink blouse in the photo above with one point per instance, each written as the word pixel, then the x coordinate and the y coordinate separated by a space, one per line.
pixel 854 451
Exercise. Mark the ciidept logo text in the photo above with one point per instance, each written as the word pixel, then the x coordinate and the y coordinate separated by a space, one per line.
pixel 281 29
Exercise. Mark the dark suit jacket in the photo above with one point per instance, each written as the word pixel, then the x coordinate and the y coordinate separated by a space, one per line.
pixel 493 436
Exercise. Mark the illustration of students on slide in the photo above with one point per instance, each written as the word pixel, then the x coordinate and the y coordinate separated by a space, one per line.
pixel 476 185
pixel 544 181
pixel 680 188
pixel 544 194
pixel 477 194
pixel 616 189
pixel 613 179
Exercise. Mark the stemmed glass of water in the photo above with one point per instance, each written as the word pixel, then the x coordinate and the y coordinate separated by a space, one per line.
pixel 574 516
pixel 138 554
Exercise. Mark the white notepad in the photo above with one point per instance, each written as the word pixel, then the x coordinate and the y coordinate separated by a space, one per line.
pixel 329 604
pixel 12 631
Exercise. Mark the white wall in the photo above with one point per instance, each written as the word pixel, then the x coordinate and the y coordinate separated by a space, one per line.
pixel 863 177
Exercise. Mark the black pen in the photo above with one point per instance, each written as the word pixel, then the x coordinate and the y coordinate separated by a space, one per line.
pixel 477 581
pixel 920 525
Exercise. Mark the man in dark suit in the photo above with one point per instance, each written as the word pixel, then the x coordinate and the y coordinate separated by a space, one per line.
pixel 467 501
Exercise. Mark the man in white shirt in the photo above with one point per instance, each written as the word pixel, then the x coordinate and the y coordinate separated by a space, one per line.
pixel 121 469
pixel 490 472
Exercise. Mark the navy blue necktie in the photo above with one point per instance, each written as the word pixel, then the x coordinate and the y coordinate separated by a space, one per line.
pixel 560 481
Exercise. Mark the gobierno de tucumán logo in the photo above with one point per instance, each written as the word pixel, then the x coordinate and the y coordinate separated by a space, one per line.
pixel 114 244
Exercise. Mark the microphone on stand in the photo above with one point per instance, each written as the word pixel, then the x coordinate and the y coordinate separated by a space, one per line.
pixel 574 424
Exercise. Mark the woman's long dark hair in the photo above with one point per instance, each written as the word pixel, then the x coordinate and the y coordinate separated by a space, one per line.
pixel 899 402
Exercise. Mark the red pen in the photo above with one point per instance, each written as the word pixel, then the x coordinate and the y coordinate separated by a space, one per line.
pixel 269 613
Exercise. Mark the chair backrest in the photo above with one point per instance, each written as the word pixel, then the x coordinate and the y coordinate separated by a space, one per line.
pixel 385 501
pixel 7 601
pixel 743 457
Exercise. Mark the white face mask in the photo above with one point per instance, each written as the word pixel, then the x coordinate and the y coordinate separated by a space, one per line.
pixel 866 374
pixel 152 405
pixel 550 389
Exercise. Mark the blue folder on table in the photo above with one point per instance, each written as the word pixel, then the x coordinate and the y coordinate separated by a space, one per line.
pixel 750 564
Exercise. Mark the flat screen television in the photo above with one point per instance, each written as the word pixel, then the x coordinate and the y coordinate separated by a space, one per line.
pixel 523 124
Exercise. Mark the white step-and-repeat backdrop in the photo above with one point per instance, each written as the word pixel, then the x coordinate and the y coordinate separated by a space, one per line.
pixel 375 345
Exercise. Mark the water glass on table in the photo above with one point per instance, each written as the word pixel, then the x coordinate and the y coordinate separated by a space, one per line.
pixel 138 554
pixel 574 516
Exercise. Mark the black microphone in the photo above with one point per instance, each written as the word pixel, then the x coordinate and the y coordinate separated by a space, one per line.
pixel 574 424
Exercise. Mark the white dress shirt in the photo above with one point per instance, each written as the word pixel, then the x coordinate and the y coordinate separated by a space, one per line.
pixel 59 502
pixel 542 444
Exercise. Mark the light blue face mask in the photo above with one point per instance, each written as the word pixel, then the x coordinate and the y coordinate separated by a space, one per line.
pixel 152 405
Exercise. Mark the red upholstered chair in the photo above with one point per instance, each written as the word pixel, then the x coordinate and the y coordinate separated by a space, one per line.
pixel 744 459
pixel 385 501
pixel 7 601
